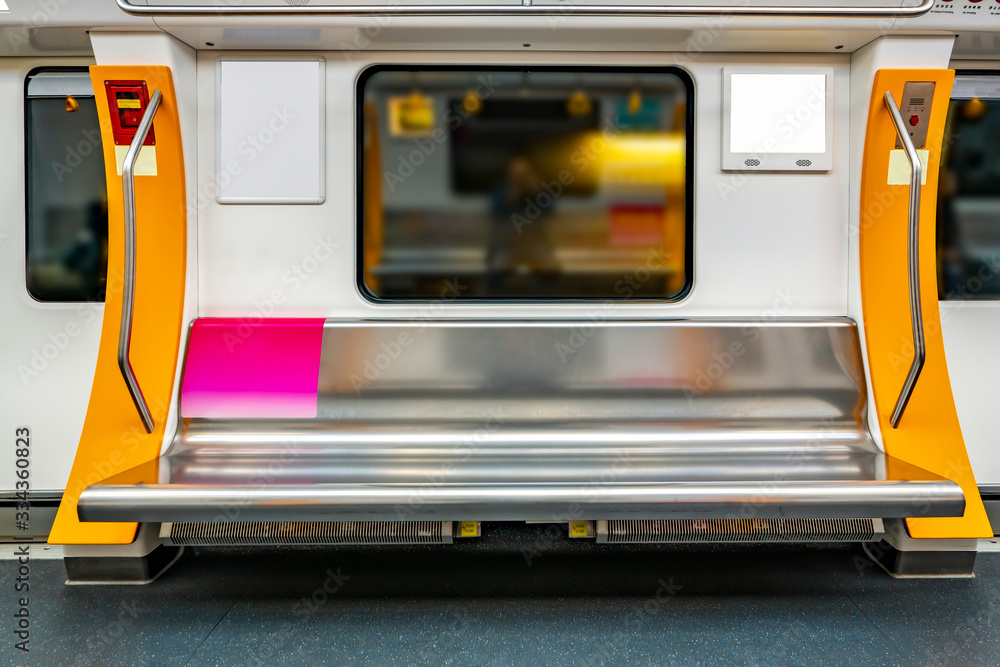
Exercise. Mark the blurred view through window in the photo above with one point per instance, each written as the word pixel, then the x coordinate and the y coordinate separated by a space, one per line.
pixel 523 184
pixel 969 192
pixel 66 195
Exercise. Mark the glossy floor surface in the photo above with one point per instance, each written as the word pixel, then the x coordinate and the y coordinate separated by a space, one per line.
pixel 521 595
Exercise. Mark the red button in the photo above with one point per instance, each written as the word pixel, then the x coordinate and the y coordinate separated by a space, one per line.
pixel 131 117
pixel 914 120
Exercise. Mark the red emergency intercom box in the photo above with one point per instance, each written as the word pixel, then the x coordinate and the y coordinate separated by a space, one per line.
pixel 128 101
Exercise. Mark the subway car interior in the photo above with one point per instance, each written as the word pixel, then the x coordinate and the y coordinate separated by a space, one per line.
pixel 361 273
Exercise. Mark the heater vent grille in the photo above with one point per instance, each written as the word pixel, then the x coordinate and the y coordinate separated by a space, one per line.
pixel 218 533
pixel 739 530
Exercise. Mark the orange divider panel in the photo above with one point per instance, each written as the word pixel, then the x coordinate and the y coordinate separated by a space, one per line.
pixel 113 438
pixel 929 434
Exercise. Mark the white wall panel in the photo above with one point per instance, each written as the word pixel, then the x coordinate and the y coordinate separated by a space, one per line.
pixel 765 244
pixel 970 342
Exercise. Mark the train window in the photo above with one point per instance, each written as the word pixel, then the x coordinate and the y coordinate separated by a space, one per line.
pixel 524 183
pixel 66 201
pixel 969 194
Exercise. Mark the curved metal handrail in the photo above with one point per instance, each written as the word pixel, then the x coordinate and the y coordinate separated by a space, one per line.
pixel 913 261
pixel 128 295
pixel 526 10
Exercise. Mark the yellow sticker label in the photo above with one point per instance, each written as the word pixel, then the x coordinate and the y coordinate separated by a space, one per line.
pixel 469 529
pixel 129 104
pixel 899 167
pixel 145 164
pixel 578 529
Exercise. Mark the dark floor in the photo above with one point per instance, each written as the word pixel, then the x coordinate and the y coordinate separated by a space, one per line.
pixel 484 603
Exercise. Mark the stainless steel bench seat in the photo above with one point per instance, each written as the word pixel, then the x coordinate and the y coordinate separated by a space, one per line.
pixel 549 421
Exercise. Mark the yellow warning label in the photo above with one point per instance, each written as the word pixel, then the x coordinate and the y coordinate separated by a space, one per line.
pixel 899 167
pixel 129 104
pixel 469 529
pixel 578 529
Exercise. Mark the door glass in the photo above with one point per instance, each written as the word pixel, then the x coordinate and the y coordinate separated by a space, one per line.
pixel 525 183
pixel 66 194
pixel 969 192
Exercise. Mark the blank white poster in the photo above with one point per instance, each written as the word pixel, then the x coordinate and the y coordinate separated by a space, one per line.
pixel 271 132
pixel 778 113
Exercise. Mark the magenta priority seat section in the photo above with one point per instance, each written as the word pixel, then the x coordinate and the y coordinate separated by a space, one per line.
pixel 268 368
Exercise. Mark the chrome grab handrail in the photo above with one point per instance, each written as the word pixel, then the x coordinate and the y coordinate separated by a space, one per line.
pixel 525 10
pixel 128 292
pixel 913 261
